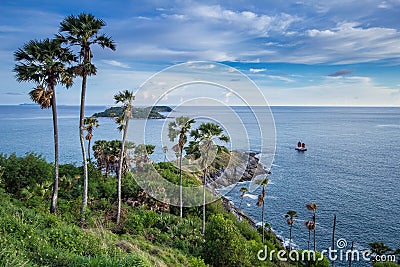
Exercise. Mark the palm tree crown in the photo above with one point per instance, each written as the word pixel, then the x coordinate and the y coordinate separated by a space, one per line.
pixel 179 128
pixel 125 97
pixel 83 30
pixel 243 191
pixel 90 123
pixel 44 62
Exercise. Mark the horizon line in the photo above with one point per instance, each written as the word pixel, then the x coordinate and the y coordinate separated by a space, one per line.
pixel 171 105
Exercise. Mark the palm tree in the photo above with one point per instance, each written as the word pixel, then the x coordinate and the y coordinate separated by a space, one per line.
pixel 83 31
pixel 311 227
pixel 290 215
pixel 125 97
pixel 313 207
pixel 165 150
pixel 107 155
pixel 142 153
pixel 89 124
pixel 100 153
pixel 243 191
pixel 379 248
pixel 261 202
pixel 179 128
pixel 45 63
pixel 205 135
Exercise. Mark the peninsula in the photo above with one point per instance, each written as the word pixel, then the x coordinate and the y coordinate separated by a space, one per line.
pixel 137 113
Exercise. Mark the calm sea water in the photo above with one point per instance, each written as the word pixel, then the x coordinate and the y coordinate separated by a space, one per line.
pixel 351 168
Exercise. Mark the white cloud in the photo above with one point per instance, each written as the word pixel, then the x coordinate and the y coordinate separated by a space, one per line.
pixel 257 70
pixel 258 24
pixel 333 91
pixel 116 63
pixel 280 78
pixel 199 31
pixel 350 43
pixel 203 67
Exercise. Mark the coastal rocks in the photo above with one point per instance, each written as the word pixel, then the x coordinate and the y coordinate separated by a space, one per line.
pixel 242 166
pixel 253 168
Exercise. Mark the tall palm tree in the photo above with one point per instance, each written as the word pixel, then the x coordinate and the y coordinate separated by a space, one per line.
pixel 243 191
pixel 90 122
pixel 205 135
pixel 313 207
pixel 45 63
pixel 83 31
pixel 261 202
pixel 180 128
pixel 290 215
pixel 125 97
pixel 311 227
pixel 165 150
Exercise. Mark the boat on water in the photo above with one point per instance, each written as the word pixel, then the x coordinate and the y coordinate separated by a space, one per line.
pixel 301 147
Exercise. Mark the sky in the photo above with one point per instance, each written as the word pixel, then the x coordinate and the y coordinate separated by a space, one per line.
pixel 313 53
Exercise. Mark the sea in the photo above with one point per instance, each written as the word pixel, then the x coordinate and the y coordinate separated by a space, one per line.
pixel 350 168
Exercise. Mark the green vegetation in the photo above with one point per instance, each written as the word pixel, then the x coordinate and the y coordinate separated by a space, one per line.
pixel 137 113
pixel 30 235
pixel 150 233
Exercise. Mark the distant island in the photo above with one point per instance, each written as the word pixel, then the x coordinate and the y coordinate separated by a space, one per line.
pixel 137 113
pixel 28 104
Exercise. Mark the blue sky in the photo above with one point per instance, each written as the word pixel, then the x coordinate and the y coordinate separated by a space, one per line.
pixel 297 52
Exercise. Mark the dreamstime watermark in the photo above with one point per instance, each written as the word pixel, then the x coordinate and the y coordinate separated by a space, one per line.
pixel 207 92
pixel 339 253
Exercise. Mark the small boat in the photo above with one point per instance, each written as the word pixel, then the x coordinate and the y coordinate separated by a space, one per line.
pixel 301 147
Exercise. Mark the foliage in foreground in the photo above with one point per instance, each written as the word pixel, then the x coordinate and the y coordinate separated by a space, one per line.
pixel 30 236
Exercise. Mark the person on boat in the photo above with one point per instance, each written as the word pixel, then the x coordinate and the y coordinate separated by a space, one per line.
pixel 299 144
pixel 303 145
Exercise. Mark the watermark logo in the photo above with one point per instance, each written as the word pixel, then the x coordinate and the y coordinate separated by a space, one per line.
pixel 340 253
pixel 207 92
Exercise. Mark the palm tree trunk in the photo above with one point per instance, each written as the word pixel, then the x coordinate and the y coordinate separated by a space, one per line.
pixel 82 139
pixel 290 238
pixel 203 225
pixel 88 149
pixel 315 230
pixel 309 237
pixel 240 205
pixel 180 186
pixel 351 258
pixel 262 217
pixel 54 197
pixel 333 239
pixel 121 161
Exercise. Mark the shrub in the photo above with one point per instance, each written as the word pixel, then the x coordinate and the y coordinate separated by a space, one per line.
pixel 224 245
pixel 21 172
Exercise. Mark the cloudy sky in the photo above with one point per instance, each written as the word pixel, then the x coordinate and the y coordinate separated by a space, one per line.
pixel 297 52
